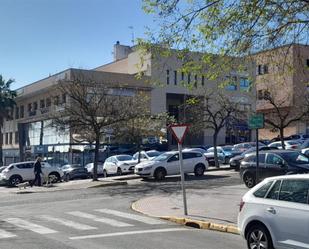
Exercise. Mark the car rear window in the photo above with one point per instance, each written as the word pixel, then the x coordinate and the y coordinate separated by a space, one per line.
pixel 261 192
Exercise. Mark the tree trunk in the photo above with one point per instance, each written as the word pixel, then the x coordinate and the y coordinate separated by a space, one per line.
pixel 96 158
pixel 282 137
pixel 215 136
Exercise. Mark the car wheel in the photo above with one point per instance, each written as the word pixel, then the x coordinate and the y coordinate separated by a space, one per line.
pixel 54 177
pixel 259 237
pixel 199 170
pixel 105 173
pixel 159 174
pixel 249 180
pixel 226 160
pixel 119 172
pixel 15 180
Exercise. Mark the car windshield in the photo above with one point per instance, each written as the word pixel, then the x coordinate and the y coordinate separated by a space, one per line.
pixel 295 157
pixel 162 157
pixel 228 148
pixel 124 158
pixel 153 153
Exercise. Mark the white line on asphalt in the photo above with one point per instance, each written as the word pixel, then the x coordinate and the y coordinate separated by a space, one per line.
pixel 67 223
pixel 139 218
pixel 130 233
pixel 108 221
pixel 29 226
pixel 4 234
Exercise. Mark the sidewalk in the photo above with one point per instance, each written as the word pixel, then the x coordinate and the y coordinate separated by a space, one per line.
pixel 214 206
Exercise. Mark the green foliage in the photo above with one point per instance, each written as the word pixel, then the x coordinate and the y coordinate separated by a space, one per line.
pixel 7 97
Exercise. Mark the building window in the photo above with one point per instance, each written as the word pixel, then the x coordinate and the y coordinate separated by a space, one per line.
pixel 48 102
pixel 182 76
pixel 29 107
pixel 203 80
pixel 42 103
pixel 265 67
pixel 64 98
pixel 175 77
pixel 307 62
pixel 16 138
pixel 195 80
pixel 35 106
pixel 244 84
pixel 260 94
pixel 17 112
pixel 56 100
pixel 167 77
pixel 189 78
pixel 231 83
pixel 6 138
pixel 21 111
pixel 11 138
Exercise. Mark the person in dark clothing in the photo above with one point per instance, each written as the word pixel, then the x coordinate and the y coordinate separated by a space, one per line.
pixel 37 172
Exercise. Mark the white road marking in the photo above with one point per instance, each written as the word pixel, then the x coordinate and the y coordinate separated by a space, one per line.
pixel 108 221
pixel 4 234
pixel 130 233
pixel 67 223
pixel 139 218
pixel 29 226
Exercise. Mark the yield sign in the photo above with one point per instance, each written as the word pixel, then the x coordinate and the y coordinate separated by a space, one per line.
pixel 179 131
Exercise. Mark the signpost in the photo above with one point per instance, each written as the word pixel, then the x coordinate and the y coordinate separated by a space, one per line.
pixel 179 132
pixel 257 122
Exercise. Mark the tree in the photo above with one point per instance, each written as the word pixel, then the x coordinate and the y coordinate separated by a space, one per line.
pixel 281 114
pixel 212 111
pixel 91 109
pixel 7 102
pixel 229 27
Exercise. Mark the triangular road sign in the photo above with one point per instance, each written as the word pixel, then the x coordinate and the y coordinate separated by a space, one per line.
pixel 179 132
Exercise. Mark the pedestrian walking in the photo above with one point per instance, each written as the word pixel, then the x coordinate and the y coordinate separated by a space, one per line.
pixel 37 172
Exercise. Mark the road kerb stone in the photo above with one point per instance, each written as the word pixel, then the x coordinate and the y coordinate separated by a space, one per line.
pixel 218 227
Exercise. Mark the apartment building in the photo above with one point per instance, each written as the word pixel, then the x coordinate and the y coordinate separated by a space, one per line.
pixel 282 74
pixel 29 133
pixel 168 92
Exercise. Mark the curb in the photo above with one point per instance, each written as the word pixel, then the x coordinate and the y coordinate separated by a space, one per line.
pixel 200 224
pixel 107 184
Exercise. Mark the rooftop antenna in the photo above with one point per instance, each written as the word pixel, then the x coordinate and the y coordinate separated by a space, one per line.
pixel 132 34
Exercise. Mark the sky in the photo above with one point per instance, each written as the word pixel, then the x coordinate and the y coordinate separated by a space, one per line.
pixel 39 38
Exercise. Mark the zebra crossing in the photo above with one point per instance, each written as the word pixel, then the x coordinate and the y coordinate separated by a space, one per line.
pixel 45 224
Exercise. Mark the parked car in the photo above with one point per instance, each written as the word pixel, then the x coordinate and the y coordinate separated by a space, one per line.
pixel 16 173
pixel 289 144
pixel 89 168
pixel 305 152
pixel 299 137
pixel 247 145
pixel 235 161
pixel 147 155
pixel 305 144
pixel 168 164
pixel 275 213
pixel 272 163
pixel 73 171
pixel 2 168
pixel 224 154
pixel 119 165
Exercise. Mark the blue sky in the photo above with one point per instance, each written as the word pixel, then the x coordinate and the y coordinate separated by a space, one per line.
pixel 42 37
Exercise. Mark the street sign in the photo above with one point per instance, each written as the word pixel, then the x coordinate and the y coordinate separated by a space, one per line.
pixel 179 132
pixel 256 121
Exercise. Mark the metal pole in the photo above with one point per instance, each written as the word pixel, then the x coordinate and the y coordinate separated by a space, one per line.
pixel 182 180
pixel 257 156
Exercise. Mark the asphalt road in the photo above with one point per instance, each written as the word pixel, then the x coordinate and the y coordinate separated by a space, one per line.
pixel 102 218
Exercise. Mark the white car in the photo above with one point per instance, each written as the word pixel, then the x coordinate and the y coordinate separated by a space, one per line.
pixel 119 165
pixel 275 213
pixel 289 145
pixel 147 155
pixel 168 164
pixel 89 168
pixel 16 173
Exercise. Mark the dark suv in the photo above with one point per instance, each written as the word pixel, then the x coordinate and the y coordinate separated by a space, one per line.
pixel 272 163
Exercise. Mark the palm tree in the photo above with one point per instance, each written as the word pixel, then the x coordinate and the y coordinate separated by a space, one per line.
pixel 7 102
